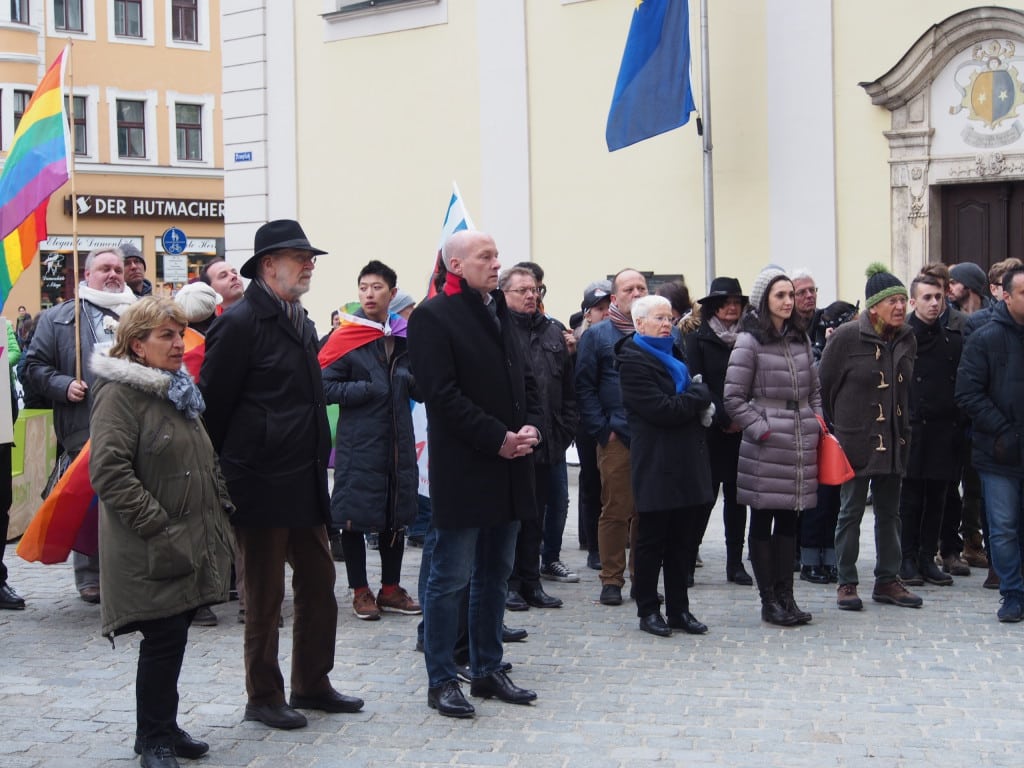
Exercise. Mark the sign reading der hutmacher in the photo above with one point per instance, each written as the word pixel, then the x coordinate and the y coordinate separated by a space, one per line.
pixel 148 207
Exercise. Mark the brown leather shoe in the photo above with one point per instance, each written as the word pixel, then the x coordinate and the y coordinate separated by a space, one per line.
pixel 894 593
pixel 90 593
pixel 847 599
pixel 954 565
pixel 992 580
pixel 974 556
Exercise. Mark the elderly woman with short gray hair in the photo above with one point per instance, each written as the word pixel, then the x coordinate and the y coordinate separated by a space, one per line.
pixel 671 473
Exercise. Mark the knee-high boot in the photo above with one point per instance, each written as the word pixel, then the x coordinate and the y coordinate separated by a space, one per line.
pixel 783 551
pixel 763 564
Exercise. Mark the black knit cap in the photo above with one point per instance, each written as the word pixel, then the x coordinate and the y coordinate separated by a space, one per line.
pixel 881 285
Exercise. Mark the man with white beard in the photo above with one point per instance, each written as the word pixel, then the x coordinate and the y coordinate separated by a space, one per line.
pixel 51 370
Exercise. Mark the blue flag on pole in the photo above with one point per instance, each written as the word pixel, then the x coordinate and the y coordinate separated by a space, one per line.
pixel 652 94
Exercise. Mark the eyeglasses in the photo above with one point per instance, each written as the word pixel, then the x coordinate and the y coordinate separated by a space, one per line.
pixel 807 292
pixel 302 257
pixel 661 319
pixel 525 291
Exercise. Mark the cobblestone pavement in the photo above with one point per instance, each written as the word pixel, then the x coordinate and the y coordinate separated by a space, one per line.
pixel 885 687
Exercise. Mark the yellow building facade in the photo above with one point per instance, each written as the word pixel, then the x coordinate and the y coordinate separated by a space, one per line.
pixel 147 135
pixel 843 133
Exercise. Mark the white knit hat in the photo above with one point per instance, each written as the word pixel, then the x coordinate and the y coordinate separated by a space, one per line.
pixel 768 274
pixel 198 300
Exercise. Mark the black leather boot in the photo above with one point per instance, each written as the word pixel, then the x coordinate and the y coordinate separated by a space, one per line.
pixel 762 563
pixel 734 570
pixel 784 550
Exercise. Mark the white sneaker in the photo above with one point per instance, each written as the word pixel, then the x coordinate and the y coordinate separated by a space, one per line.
pixel 558 571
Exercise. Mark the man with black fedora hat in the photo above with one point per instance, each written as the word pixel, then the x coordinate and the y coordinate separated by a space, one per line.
pixel 267 419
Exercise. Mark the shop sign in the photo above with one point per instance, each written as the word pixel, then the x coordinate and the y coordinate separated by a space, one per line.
pixel 147 207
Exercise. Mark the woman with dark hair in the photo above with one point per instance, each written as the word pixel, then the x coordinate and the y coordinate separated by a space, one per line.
pixel 707 353
pixel 772 394
pixel 165 546
pixel 678 296
pixel 667 412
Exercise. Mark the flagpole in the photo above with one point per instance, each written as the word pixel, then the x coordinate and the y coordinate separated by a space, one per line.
pixel 74 208
pixel 709 183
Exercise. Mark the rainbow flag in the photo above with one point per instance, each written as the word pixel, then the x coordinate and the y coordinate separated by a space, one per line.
pixel 35 168
pixel 355 332
pixel 67 519
pixel 195 352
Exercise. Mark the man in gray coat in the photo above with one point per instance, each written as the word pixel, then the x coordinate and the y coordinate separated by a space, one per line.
pixel 865 373
pixel 51 369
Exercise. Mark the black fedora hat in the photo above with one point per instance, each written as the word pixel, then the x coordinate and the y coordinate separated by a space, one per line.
pixel 723 288
pixel 273 236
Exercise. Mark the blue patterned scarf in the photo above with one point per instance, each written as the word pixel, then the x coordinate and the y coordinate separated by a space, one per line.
pixel 185 395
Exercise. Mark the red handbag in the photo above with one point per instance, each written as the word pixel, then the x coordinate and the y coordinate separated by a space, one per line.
pixel 833 466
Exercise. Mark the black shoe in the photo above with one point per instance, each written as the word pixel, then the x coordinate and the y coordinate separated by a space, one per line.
pixel 9 599
pixel 909 573
pixel 498 685
pixel 279 716
pixel 687 622
pixel 931 573
pixel 182 746
pixel 205 617
pixel 654 624
pixel 448 700
pixel 833 574
pixel 416 541
pixel 816 574
pixel 510 635
pixel 594 561
pixel 514 602
pixel 159 757
pixel 538 598
pixel 332 701
pixel 611 595
pixel 739 575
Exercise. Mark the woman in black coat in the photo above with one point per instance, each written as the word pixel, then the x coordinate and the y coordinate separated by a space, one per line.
pixel 669 460
pixel 707 353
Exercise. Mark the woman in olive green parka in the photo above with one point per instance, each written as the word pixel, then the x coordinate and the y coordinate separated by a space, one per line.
pixel 164 533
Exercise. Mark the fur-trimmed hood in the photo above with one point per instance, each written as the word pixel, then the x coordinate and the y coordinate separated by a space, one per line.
pixel 152 381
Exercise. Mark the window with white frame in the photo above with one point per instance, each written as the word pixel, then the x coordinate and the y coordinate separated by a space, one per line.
pixel 19 11
pixel 128 18
pixel 188 120
pixel 347 19
pixel 131 128
pixel 21 100
pixel 68 16
pixel 185 21
pixel 77 122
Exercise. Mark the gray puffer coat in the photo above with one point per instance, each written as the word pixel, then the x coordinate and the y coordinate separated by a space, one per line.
pixel 165 539
pixel 772 392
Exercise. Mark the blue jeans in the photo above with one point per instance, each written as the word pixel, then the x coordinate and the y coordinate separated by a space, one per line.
pixel 1004 505
pixel 556 513
pixel 480 558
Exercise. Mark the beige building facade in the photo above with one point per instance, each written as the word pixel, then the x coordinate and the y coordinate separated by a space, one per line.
pixel 148 158
pixel 844 133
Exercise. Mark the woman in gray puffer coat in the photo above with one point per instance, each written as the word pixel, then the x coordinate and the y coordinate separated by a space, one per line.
pixel 772 393
pixel 165 539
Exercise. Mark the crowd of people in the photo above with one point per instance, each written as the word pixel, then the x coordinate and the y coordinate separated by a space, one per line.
pixel 212 470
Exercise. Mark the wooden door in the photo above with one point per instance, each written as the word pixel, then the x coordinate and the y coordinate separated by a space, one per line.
pixel 983 223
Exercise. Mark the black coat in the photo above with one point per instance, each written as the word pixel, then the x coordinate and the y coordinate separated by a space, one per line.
pixel 989 384
pixel 936 424
pixel 708 355
pixel 476 386
pixel 375 473
pixel 544 347
pixel 668 450
pixel 266 414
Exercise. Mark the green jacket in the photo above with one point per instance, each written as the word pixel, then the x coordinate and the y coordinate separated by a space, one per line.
pixel 165 540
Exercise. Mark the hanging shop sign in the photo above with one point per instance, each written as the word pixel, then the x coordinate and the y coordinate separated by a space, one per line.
pixel 147 207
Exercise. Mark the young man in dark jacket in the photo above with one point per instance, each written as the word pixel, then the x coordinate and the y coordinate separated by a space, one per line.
pixel 988 387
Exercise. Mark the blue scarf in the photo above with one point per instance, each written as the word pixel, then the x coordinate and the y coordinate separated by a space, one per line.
pixel 661 348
